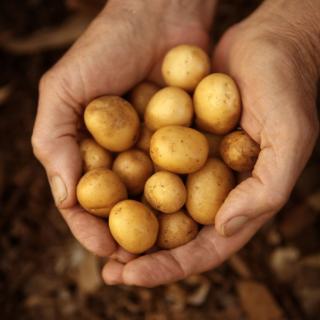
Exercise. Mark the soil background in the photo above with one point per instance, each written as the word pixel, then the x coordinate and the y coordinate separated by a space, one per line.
pixel 45 274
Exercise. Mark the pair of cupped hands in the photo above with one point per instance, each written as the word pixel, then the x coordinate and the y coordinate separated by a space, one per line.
pixel 125 44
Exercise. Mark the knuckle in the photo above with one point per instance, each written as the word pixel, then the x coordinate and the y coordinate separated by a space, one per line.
pixel 38 148
pixel 277 200
pixel 47 79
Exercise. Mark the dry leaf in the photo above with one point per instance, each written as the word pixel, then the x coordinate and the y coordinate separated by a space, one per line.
pixel 51 38
pixel 240 266
pixel 284 262
pixel 5 93
pixel 257 301
pixel 200 293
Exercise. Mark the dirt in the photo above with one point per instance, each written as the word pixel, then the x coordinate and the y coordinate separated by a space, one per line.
pixel 46 274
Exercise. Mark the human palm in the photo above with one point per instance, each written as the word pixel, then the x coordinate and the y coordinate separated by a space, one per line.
pixel 276 115
pixel 118 51
pixel 115 53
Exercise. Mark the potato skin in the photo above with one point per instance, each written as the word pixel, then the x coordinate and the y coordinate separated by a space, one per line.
pixel 94 156
pixel 143 142
pixel 133 167
pixel 99 190
pixel 169 106
pixel 133 226
pixel 184 66
pixel 207 190
pixel 113 122
pixel 239 151
pixel 179 149
pixel 217 104
pixel 141 95
pixel 175 230
pixel 165 192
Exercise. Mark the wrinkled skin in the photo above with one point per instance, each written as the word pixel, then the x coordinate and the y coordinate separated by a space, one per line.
pixel 277 79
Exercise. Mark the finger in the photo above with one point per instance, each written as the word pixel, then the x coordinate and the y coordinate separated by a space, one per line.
pixel 92 232
pixel 54 143
pixel 208 250
pixel 272 117
pixel 112 272
pixel 123 256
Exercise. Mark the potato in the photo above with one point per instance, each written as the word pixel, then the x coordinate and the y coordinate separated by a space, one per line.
pixel 207 190
pixel 133 226
pixel 133 167
pixel 169 106
pixel 217 104
pixel 184 66
pixel 175 230
pixel 113 122
pixel 179 149
pixel 147 204
pixel 165 192
pixel 239 151
pixel 94 156
pixel 99 190
pixel 141 94
pixel 143 142
pixel 214 144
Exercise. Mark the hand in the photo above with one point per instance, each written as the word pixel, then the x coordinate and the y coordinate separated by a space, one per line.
pixel 277 74
pixel 123 45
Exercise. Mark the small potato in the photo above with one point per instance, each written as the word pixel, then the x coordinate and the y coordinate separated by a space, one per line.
pixel 207 190
pixel 113 122
pixel 143 142
pixel 175 230
pixel 179 149
pixel 165 192
pixel 214 144
pixel 99 190
pixel 94 156
pixel 169 106
pixel 147 204
pixel 239 151
pixel 133 167
pixel 217 104
pixel 184 66
pixel 141 94
pixel 133 226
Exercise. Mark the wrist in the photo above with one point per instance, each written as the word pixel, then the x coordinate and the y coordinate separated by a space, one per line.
pixel 296 24
pixel 198 12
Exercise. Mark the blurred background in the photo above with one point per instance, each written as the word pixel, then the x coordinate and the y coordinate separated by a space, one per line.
pixel 45 274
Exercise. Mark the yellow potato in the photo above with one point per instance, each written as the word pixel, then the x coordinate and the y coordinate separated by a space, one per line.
pixel 214 144
pixel 133 167
pixel 143 142
pixel 94 156
pixel 99 190
pixel 133 226
pixel 141 94
pixel 184 66
pixel 113 122
pixel 179 149
pixel 217 104
pixel 239 151
pixel 207 190
pixel 169 106
pixel 147 204
pixel 175 230
pixel 165 192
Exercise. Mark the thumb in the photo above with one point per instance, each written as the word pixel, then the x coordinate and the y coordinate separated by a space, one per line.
pixel 54 141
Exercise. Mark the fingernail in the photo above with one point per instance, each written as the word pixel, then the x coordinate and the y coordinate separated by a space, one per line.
pixel 234 225
pixel 59 189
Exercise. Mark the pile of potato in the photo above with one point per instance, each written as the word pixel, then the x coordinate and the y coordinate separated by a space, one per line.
pixel 163 163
